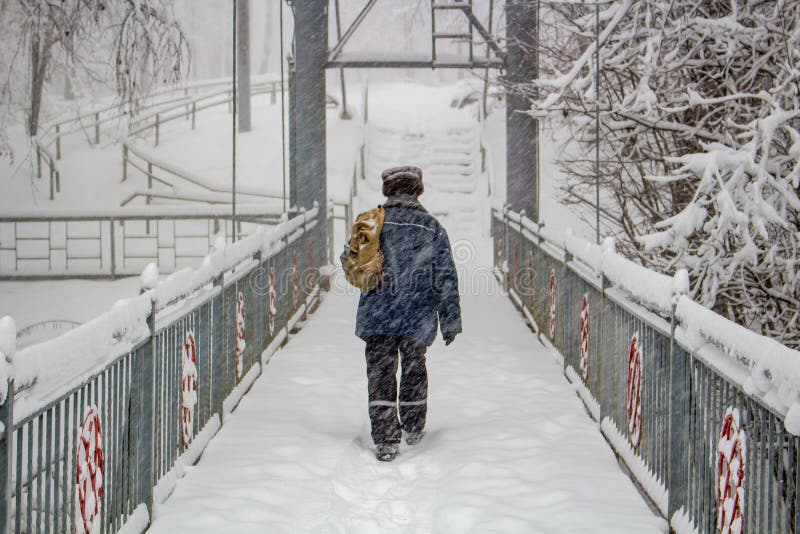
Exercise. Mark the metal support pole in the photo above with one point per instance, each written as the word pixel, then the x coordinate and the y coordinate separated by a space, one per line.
pixel 52 184
pixel 97 128
pixel 522 130
pixel 38 161
pixel 124 162
pixel 283 110
pixel 597 118
pixel 331 221
pixel 233 133
pixel 242 59
pixel 149 180
pixel 58 141
pixel 345 114
pixel 112 246
pixel 158 124
pixel 194 114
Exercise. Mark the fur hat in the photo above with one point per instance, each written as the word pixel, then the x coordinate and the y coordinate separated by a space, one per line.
pixel 402 181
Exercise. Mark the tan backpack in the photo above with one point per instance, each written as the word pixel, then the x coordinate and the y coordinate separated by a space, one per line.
pixel 363 261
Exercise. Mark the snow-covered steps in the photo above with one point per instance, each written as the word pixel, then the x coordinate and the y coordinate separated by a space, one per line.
pixel 450 157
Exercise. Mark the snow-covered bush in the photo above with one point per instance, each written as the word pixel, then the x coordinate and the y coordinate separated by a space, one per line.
pixel 700 143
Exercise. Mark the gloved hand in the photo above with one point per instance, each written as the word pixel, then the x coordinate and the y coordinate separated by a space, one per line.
pixel 448 337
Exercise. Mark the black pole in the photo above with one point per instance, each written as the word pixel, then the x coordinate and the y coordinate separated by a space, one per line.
pixel 283 110
pixel 522 130
pixel 311 54
pixel 597 119
pixel 233 115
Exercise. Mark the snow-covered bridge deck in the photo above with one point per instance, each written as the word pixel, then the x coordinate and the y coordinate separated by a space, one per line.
pixel 509 447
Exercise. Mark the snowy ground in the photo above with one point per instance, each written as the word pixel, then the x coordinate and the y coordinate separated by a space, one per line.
pixel 509 447
pixel 31 302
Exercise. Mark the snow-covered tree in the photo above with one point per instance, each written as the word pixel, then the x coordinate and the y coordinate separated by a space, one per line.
pixel 700 142
pixel 142 43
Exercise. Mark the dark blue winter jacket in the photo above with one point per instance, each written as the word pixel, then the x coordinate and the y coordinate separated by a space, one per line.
pixel 420 287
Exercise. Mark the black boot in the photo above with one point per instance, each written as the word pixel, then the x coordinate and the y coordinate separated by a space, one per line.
pixel 385 452
pixel 413 438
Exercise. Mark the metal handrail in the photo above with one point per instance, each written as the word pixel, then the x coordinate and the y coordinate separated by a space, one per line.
pixel 107 243
pixel 136 392
pixel 51 135
pixel 152 163
pixel 664 400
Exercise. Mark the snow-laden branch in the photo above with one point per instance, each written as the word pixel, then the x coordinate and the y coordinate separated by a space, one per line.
pixel 699 151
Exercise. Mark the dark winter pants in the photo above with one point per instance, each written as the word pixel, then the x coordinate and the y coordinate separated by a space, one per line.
pixel 382 356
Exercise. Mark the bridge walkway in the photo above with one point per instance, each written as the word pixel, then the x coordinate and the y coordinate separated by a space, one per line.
pixel 509 446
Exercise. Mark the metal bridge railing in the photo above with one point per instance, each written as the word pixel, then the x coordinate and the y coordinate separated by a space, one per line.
pixel 165 105
pixel 118 242
pixel 710 448
pixel 100 447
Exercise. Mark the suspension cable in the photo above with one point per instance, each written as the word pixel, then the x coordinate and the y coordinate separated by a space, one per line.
pixel 233 115
pixel 283 111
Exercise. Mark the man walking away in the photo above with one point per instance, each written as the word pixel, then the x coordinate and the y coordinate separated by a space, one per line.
pixel 419 291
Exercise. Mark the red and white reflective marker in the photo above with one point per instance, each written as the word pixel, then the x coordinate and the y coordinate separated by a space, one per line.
pixel 240 342
pixel 552 303
pixel 273 298
pixel 585 337
pixel 731 455
pixel 188 387
pixel 295 280
pixel 89 472
pixel 634 400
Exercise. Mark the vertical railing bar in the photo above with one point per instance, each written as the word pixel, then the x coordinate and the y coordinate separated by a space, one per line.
pixel 66 463
pixel 795 507
pixel 29 435
pixel 170 404
pixel 767 488
pixel 704 523
pixel 691 383
pixel 123 425
pixel 124 443
pixel 72 436
pixel 59 452
pixel 114 407
pixel 170 401
pixel 764 468
pixel 711 441
pixel 770 474
pixel 158 406
pixel 108 459
pixel 48 458
pixel 717 415
pixel 18 483
pixel 158 430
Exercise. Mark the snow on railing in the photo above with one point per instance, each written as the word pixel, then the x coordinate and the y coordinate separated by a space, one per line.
pixel 48 370
pixel 8 345
pixel 773 369
pixel 674 385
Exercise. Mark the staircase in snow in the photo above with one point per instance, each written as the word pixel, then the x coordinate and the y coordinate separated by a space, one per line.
pixel 450 158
